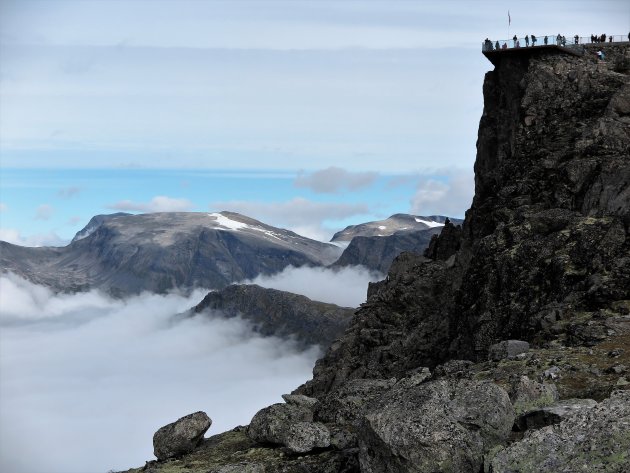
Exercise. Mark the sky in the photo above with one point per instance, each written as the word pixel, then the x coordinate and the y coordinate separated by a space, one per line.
pixel 250 105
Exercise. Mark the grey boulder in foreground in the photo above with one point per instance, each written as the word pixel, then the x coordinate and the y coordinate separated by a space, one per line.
pixel 181 436
pixel 593 439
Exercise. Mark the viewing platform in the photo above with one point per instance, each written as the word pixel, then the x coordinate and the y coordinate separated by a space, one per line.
pixel 531 45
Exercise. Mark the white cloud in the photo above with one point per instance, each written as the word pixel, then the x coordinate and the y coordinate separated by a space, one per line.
pixel 44 212
pixel 333 180
pixel 346 286
pixel 447 193
pixel 68 192
pixel 158 203
pixel 39 239
pixel 300 215
pixel 100 376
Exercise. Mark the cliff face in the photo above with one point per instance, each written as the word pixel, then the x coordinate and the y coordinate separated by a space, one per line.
pixel 544 251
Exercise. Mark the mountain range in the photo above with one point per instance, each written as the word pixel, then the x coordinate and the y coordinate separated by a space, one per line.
pixel 124 254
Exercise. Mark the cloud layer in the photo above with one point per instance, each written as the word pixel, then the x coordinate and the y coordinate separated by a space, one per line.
pixel 448 194
pixel 333 180
pixel 303 216
pixel 86 380
pixel 15 237
pixel 160 203
pixel 346 286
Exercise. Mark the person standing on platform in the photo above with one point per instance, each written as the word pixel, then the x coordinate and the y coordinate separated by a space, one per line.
pixel 546 40
pixel 534 39
pixel 526 40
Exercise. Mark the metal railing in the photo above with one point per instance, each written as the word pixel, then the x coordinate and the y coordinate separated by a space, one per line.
pixel 556 40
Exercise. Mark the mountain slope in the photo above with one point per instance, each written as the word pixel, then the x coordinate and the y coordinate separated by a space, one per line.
pixel 378 252
pixel 160 252
pixel 389 226
pixel 279 313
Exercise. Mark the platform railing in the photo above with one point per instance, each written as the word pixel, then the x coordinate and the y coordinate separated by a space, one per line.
pixel 556 40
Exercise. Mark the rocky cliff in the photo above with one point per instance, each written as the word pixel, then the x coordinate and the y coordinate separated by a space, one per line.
pixel 544 252
pixel 279 313
pixel 479 355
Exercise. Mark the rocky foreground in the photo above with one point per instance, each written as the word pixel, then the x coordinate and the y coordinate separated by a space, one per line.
pixel 506 348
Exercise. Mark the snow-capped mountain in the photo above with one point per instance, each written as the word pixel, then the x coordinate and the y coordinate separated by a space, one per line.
pixel 389 226
pixel 159 252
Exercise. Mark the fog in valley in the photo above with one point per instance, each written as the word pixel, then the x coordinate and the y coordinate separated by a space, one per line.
pixel 345 286
pixel 85 380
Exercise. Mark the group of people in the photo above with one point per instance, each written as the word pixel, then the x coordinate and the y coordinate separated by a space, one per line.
pixel 602 38
pixel 560 41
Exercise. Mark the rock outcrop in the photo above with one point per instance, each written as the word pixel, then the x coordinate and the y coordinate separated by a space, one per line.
pixel 593 439
pixel 444 425
pixel 181 436
pixel 279 313
pixel 544 252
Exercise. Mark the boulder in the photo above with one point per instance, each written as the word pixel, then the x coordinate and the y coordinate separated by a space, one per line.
pixel 594 439
pixel 272 424
pixel 553 414
pixel 507 349
pixel 347 403
pixel 442 425
pixel 527 394
pixel 181 436
pixel 303 437
pixel 300 400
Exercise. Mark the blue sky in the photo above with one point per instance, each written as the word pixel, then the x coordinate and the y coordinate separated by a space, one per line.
pixel 250 106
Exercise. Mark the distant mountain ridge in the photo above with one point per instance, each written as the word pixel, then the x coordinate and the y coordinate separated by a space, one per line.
pixel 160 252
pixel 94 223
pixel 124 254
pixel 391 225
pixel 376 244
pixel 279 313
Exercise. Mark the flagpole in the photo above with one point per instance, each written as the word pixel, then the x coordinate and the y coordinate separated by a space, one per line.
pixel 509 23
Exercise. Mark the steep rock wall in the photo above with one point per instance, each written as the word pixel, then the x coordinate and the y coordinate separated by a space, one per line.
pixel 544 251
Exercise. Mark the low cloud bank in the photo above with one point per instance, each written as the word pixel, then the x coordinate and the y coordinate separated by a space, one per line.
pixel 448 193
pixel 14 237
pixel 159 203
pixel 346 286
pixel 86 380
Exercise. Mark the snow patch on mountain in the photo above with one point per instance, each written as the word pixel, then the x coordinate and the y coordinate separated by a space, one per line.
pixel 429 223
pixel 226 222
